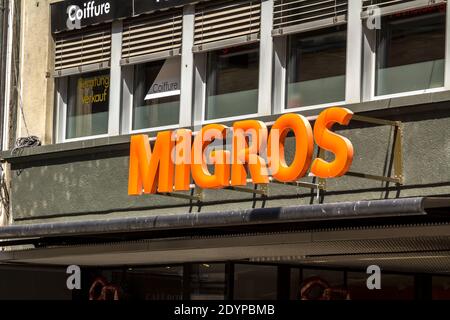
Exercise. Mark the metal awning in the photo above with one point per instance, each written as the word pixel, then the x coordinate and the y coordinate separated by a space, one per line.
pixel 350 212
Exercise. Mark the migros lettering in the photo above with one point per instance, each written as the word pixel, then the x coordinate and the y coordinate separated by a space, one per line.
pixel 178 156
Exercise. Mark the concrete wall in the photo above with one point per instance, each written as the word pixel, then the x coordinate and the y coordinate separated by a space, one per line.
pixel 36 63
pixel 88 185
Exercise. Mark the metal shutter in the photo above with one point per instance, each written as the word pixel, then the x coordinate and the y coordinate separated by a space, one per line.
pixel 152 37
pixel 395 6
pixel 81 51
pixel 220 24
pixel 292 16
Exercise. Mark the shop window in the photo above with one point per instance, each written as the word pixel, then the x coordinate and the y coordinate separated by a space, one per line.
pixel 158 283
pixel 441 288
pixel 207 282
pixel 232 82
pixel 255 282
pixel 394 287
pixel 410 51
pixel 323 285
pixel 33 283
pixel 87 105
pixel 156 96
pixel 316 67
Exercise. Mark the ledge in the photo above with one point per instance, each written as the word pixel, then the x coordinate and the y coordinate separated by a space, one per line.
pixel 344 211
pixel 118 143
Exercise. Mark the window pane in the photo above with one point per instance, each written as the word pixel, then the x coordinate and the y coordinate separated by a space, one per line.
pixel 410 52
pixel 254 282
pixel 88 105
pixel 207 282
pixel 232 84
pixel 316 68
pixel 157 94
pixel 441 288
pixel 323 285
pixel 393 287
pixel 164 283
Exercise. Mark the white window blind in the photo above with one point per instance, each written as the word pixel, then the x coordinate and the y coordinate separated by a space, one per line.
pixel 152 37
pixel 220 24
pixel 387 7
pixel 291 16
pixel 82 50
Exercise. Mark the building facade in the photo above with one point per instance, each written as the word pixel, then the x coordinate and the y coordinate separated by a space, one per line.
pixel 90 75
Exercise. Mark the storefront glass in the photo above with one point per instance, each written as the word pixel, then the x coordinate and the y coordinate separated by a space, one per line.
pixel 156 97
pixel 232 83
pixel 255 282
pixel 88 105
pixel 411 52
pixel 441 288
pixel 316 67
pixel 207 282
pixel 393 287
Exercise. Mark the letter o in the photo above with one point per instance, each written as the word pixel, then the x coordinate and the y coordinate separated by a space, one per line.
pixel 304 147
pixel 79 14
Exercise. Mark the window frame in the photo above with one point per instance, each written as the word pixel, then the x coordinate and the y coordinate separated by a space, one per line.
pixel 62 96
pixel 61 92
pixel 200 58
pixel 128 101
pixel 186 56
pixel 370 48
pixel 353 72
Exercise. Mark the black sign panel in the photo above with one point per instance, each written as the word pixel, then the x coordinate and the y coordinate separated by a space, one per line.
pixel 75 14
pixel 143 6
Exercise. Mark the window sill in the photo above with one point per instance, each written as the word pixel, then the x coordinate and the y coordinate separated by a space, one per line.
pixel 121 143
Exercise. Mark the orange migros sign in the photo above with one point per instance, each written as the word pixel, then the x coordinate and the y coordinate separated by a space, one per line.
pixel 179 156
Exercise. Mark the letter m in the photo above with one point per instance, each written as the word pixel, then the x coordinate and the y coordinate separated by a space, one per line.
pixel 146 165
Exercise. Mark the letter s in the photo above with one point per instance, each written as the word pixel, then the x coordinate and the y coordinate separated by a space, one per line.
pixel 339 145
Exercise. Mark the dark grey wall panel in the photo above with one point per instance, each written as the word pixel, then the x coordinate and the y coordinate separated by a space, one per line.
pixel 96 184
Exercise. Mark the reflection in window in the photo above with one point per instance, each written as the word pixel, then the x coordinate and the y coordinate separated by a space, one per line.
pixel 88 105
pixel 232 83
pixel 156 98
pixel 323 285
pixel 316 67
pixel 255 282
pixel 164 283
pixel 410 52
pixel 207 282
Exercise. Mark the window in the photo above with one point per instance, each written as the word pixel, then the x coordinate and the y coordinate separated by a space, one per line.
pixel 164 283
pixel 156 96
pixel 83 91
pixel 207 282
pixel 87 105
pixel 411 51
pixel 232 82
pixel 255 282
pixel 441 288
pixel 316 67
pixel 394 287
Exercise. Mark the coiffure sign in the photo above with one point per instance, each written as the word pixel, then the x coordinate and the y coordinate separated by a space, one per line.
pixel 75 14
pixel 177 156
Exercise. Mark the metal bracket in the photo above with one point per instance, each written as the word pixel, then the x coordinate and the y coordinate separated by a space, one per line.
pixel 263 191
pixel 197 194
pixel 398 177
pixel 301 184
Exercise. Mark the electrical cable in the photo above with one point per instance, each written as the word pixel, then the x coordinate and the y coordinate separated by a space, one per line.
pixel 27 142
